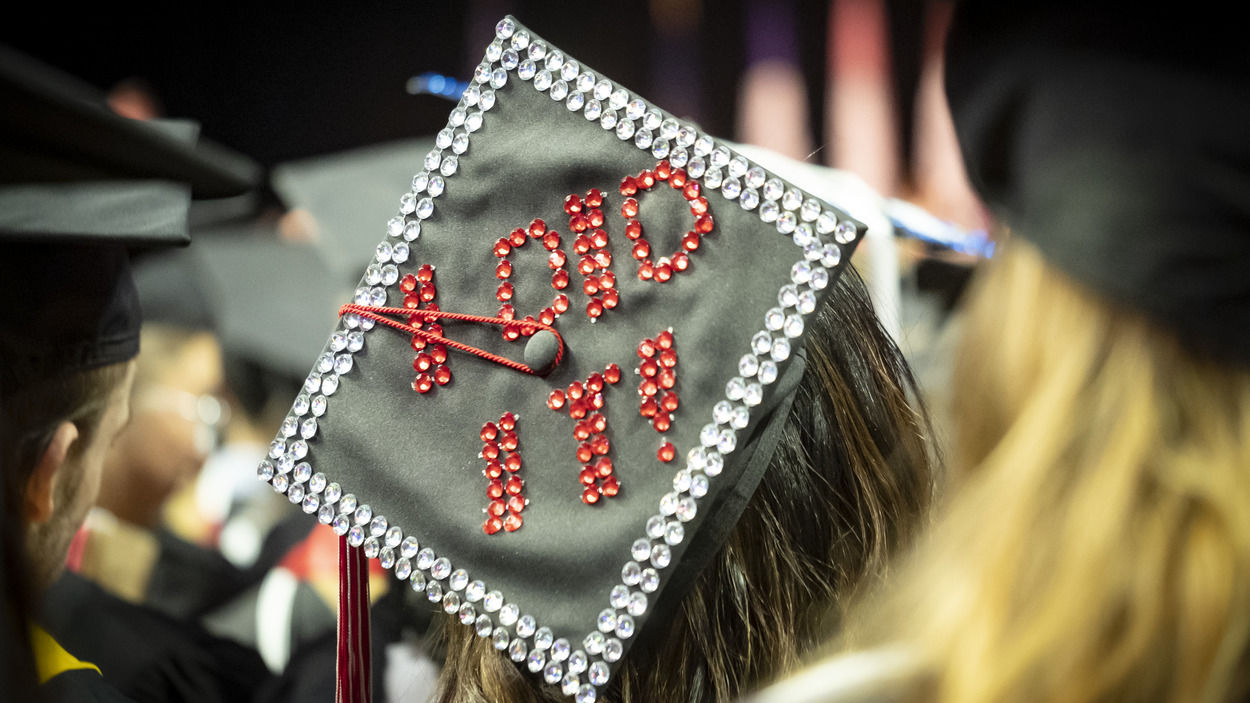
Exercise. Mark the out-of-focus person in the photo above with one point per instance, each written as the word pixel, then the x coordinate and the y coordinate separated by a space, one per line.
pixel 1096 543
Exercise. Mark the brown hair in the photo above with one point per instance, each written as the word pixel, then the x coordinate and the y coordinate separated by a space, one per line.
pixel 848 485
pixel 1098 546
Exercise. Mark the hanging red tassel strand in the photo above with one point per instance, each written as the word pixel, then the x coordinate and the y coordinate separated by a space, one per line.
pixel 353 675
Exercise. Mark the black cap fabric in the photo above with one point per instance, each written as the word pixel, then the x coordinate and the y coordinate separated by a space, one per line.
pixel 341 190
pixel 80 187
pixel 1116 142
pixel 558 513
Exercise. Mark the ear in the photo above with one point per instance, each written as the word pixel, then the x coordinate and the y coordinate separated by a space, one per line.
pixel 39 502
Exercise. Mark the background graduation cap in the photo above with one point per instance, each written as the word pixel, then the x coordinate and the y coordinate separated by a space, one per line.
pixel 563 371
pixel 81 187
pixel 338 190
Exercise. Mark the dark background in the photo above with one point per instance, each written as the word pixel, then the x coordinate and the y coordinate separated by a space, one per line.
pixel 279 81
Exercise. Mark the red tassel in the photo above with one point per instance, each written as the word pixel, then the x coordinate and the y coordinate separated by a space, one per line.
pixel 353 679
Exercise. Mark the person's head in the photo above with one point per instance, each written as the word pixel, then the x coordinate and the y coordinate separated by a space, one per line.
pixel 56 433
pixel 1095 545
pixel 176 415
pixel 848 485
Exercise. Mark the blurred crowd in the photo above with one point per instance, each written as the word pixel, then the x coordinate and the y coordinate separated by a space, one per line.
pixel 1074 429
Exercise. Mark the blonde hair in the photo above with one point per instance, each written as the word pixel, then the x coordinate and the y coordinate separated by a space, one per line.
pixel 1098 549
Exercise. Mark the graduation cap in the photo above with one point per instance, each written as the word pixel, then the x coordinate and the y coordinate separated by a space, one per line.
pixel 81 187
pixel 565 369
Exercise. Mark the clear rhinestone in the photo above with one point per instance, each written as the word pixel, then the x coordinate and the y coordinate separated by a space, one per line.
pixel 607 620
pixel 731 188
pixel 441 568
pixel 788 296
pixel 650 580
pixel 624 129
pixel 542 80
pixel 704 145
pixel 300 407
pixel 598 673
pixel 845 232
pixel 399 252
pixel 804 235
pixel 661 555
pixel 618 99
pixel 613 649
pixel 720 157
pixel 505 28
pixel 673 534
pixel 655 530
pixel 508 614
pixel 466 613
pixel 686 506
pixel 773 189
pixel 820 278
pixel 408 201
pixel 678 158
pixel 340 524
pixel 425 559
pixel 409 547
pixel 652 120
pixel 498 78
pixel 698 488
pixel 371 546
pixel 403 568
pixel 517 650
pixel 492 601
pixel 509 59
pixel 786 222
pixel 395 226
pixel 301 472
pixel 625 625
pixel 483 625
pixel 831 255
pixel 332 493
pixel 457 116
pixel 750 198
pixel 425 208
pixel 826 222
pixel 437 184
pixel 559 90
pixel 640 549
pixel 412 230
pixel 355 535
pixel 525 625
pixel 417 581
pixel 386 557
pixel 755 177
pixel 585 694
pixel 608 120
pixel 594 641
pixel 569 684
pixel 560 650
pixel 526 69
pixel 289 426
pixel 577 661
pixel 593 110
pixel 754 395
pixel 712 179
pixel 807 302
pixel 747 366
pixel 734 389
pixel 668 505
pixel 377 527
pixel 619 597
pixel 553 673
pixel 285 463
pixel 603 89
pixel 475 591
pixel 659 148
pixel 635 109
pixel 697 167
pixel 537 50
pixel 299 448
pixel 325 514
pixel 343 362
pixel 740 417
pixel 543 637
pixel 631 573
pixel 555 60
pixel 451 163
pixel 681 481
pixel 362 514
pixel 779 352
pixel 500 638
pixel 295 493
pixel 575 101
pixel 642 139
pixel 458 580
pixel 761 342
pixel 792 200
pixel 738 166
pixel 536 661
pixel 317 483
pixel 433 591
pixel 451 602
pixel 716 462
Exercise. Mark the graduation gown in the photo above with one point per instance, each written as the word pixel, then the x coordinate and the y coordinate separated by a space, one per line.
pixel 146 655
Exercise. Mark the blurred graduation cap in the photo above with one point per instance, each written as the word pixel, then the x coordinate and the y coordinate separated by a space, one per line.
pixel 564 369
pixel 345 191
pixel 81 187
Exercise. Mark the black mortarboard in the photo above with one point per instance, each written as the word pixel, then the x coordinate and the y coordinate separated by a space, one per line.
pixel 341 190
pixel 556 480
pixel 1116 143
pixel 80 187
